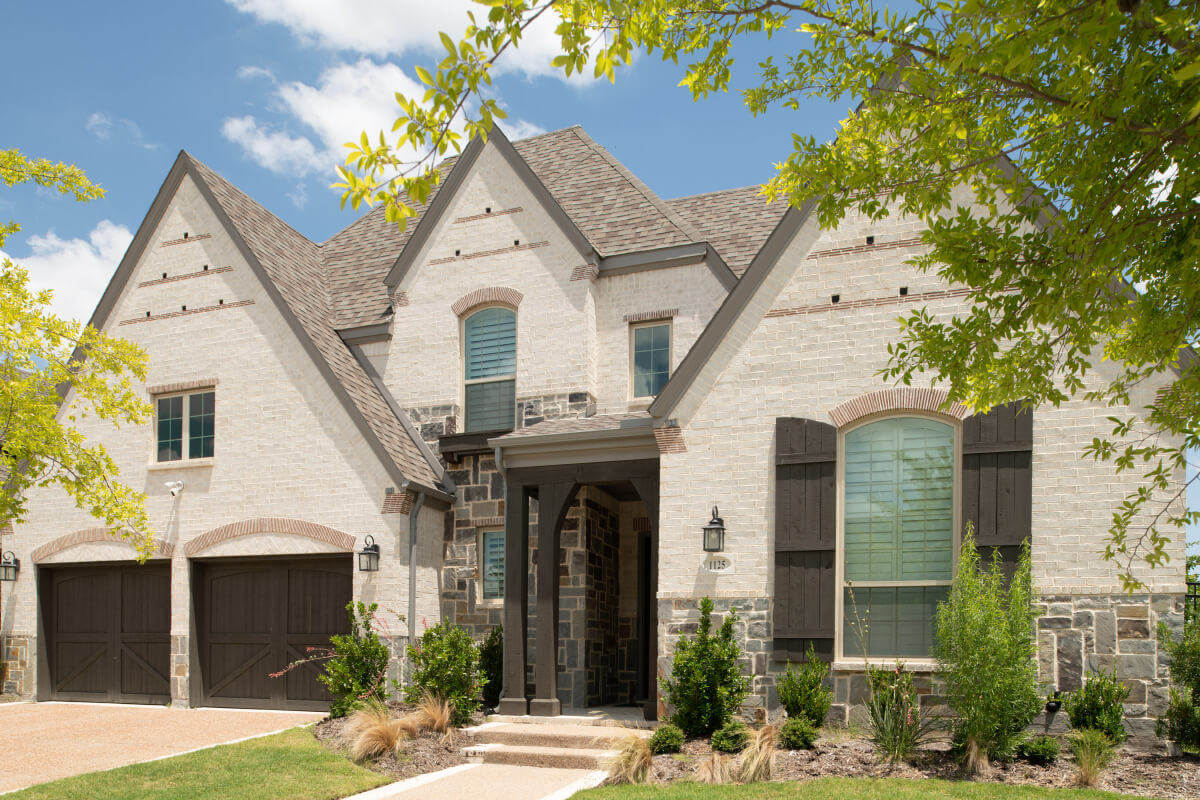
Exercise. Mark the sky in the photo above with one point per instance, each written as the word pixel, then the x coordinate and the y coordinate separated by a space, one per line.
pixel 266 91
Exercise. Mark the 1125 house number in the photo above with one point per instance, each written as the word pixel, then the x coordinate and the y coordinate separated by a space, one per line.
pixel 717 563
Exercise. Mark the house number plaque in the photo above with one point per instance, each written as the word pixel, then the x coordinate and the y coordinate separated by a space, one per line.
pixel 717 563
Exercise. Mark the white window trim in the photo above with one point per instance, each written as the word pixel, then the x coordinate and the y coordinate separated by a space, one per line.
pixel 841 660
pixel 463 383
pixel 650 323
pixel 183 462
pixel 480 600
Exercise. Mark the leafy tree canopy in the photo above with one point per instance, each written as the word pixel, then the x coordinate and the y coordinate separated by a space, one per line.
pixel 42 358
pixel 1049 147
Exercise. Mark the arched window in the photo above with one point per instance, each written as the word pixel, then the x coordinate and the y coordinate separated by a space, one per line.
pixel 898 534
pixel 489 369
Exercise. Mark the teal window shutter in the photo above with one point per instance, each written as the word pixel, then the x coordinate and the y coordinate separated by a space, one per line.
pixel 490 356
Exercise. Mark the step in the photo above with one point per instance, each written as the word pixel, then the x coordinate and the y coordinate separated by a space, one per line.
pixel 531 756
pixel 585 737
pixel 571 719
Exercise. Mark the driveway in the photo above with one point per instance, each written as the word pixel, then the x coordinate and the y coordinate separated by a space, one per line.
pixel 42 742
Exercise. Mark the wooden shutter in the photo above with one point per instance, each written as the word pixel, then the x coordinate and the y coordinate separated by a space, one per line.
pixel 997 481
pixel 805 538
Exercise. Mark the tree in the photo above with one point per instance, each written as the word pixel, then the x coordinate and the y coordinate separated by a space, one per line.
pixel 1049 147
pixel 42 359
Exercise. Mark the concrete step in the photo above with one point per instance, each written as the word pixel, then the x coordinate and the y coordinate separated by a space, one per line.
pixel 571 719
pixel 531 756
pixel 585 737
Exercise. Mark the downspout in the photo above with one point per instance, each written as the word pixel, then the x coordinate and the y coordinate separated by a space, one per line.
pixel 413 515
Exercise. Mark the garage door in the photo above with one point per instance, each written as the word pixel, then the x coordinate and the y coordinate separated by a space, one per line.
pixel 256 616
pixel 108 632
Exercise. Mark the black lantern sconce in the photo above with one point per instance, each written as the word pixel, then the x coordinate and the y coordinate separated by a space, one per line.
pixel 368 557
pixel 714 534
pixel 10 565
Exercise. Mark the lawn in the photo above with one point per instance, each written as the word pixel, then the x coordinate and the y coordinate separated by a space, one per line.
pixel 291 765
pixel 844 789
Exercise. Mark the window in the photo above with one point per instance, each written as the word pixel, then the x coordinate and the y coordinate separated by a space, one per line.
pixel 490 368
pixel 898 534
pixel 199 409
pixel 651 358
pixel 491 564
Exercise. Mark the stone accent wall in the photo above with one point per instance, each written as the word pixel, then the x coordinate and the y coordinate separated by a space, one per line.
pixel 434 421
pixel 16 669
pixel 603 543
pixel 479 504
pixel 180 664
pixel 532 410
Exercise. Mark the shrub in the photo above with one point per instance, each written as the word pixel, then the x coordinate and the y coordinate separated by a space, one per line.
pixel 715 769
pixel 732 737
pixel 1093 751
pixel 1099 705
pixel 666 739
pixel 1181 723
pixel 985 649
pixel 359 661
pixel 446 666
pixel 1040 750
pixel 706 684
pixel 491 662
pixel 757 762
pixel 897 723
pixel 434 714
pixel 372 731
pixel 633 761
pixel 797 734
pixel 803 691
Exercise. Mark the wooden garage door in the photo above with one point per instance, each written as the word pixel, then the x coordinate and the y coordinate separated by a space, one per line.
pixel 108 631
pixel 256 616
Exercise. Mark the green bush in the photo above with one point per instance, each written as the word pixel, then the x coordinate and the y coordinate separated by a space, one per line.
pixel 446 665
pixel 1181 723
pixel 796 733
pixel 1093 751
pixel 985 648
pixel 1099 705
pixel 491 661
pixel 359 664
pixel 1040 750
pixel 803 691
pixel 666 739
pixel 897 723
pixel 732 737
pixel 706 685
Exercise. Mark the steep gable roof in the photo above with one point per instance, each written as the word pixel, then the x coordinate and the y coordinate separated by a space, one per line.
pixel 736 222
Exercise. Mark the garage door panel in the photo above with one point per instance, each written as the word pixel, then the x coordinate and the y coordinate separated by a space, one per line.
pixel 145 602
pixel 240 671
pixel 145 668
pixel 241 600
pixel 302 683
pixel 82 668
pixel 83 603
pixel 317 602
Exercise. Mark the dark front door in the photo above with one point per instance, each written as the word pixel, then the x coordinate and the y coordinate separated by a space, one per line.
pixel 108 632
pixel 254 617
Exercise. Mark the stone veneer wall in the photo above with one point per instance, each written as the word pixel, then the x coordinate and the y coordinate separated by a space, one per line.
pixel 16 669
pixel 443 420
pixel 603 546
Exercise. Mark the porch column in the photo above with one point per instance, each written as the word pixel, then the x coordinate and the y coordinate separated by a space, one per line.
pixel 647 489
pixel 552 508
pixel 516 597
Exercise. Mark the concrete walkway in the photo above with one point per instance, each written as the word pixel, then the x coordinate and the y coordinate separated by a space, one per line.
pixel 42 742
pixel 490 781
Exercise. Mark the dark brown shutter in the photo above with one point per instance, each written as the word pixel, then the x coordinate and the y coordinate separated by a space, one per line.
pixel 997 481
pixel 805 537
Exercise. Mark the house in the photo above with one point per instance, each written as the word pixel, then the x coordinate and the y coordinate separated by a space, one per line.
pixel 553 358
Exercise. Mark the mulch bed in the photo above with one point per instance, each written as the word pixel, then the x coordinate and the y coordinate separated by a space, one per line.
pixel 843 755
pixel 428 753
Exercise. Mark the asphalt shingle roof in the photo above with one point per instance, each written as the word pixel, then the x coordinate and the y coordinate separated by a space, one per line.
pixel 736 222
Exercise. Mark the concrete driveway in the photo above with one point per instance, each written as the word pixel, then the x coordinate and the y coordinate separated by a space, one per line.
pixel 42 742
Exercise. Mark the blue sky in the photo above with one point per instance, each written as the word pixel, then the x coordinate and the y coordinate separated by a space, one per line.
pixel 265 92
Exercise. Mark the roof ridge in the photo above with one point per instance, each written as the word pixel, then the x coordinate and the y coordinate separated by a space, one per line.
pixel 245 194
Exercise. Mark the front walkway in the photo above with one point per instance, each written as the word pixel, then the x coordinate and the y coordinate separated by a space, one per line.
pixel 490 781
pixel 42 742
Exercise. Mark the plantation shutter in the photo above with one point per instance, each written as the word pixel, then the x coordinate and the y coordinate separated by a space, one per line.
pixel 805 538
pixel 490 354
pixel 997 480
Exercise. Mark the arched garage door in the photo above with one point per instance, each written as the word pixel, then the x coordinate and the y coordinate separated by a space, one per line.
pixel 255 616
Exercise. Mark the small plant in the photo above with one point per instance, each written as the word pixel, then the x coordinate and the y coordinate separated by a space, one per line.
pixel 491 662
pixel 446 665
pixel 372 731
pixel 1040 751
pixel 666 739
pixel 797 734
pixel 803 691
pixel 757 762
pixel 1093 751
pixel 706 685
pixel 1099 705
pixel 897 723
pixel 357 664
pixel 633 761
pixel 434 714
pixel 1181 723
pixel 715 769
pixel 732 737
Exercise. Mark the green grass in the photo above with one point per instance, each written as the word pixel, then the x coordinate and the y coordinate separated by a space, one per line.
pixel 844 789
pixel 291 765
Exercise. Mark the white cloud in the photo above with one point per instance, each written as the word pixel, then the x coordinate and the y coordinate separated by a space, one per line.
pixel 256 72
pixel 76 270
pixel 274 149
pixel 99 125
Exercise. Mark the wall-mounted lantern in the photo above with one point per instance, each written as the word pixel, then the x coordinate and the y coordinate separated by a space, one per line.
pixel 714 534
pixel 368 557
pixel 10 565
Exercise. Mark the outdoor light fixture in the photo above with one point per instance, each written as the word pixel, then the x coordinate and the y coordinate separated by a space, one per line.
pixel 10 565
pixel 714 534
pixel 368 557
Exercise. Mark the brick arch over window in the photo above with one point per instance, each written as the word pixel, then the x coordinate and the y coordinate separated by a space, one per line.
pixel 250 527
pixel 480 297
pixel 89 535
pixel 905 398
